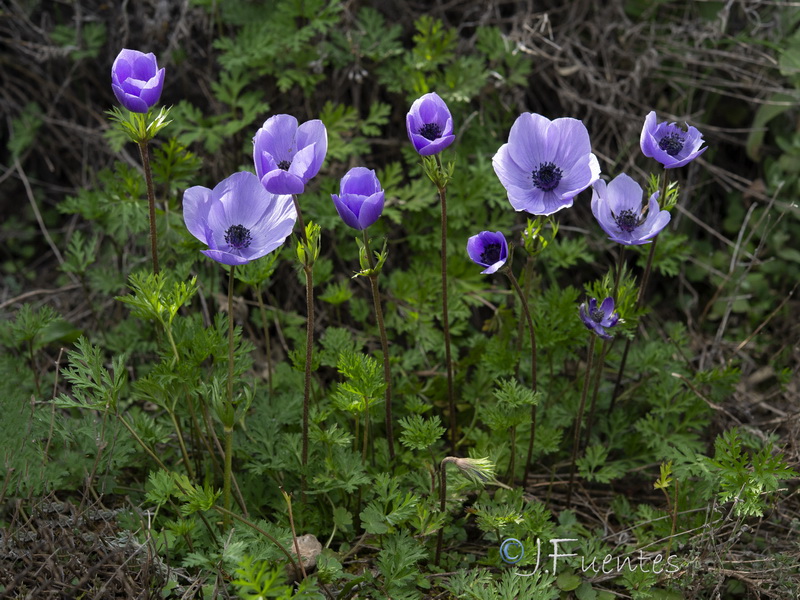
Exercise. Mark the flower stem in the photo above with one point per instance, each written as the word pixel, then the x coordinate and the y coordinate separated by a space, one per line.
pixel 387 370
pixel 226 478
pixel 579 420
pixel 309 356
pixel 442 505
pixel 451 402
pixel 267 345
pixel 151 200
pixel 527 312
pixel 639 301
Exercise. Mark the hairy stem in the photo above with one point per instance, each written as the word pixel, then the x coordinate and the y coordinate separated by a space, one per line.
pixel 151 200
pixel 579 420
pixel 228 469
pixel 387 370
pixel 451 401
pixel 527 312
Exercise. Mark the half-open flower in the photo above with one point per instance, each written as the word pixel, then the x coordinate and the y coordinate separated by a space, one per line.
pixel 545 163
pixel 489 250
pixel 287 156
pixel 669 144
pixel 238 220
pixel 430 125
pixel 599 318
pixel 136 80
pixel 360 199
pixel 619 210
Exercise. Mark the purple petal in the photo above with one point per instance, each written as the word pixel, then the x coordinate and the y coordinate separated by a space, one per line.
pixel 527 141
pixel 282 182
pixel 313 133
pixel 347 215
pixel 197 202
pixel 226 258
pixel 277 137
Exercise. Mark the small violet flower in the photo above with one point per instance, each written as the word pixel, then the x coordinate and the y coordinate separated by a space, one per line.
pixel 545 163
pixel 360 199
pixel 599 318
pixel 619 209
pixel 239 220
pixel 287 156
pixel 669 144
pixel 430 125
pixel 488 250
pixel 136 80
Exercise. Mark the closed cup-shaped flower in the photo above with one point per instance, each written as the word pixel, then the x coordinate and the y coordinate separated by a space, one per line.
pixel 430 125
pixel 545 163
pixel 360 199
pixel 619 210
pixel 669 144
pixel 599 318
pixel 238 220
pixel 286 155
pixel 136 80
pixel 488 249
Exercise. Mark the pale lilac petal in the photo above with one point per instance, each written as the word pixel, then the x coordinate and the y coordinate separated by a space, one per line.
pixel 196 204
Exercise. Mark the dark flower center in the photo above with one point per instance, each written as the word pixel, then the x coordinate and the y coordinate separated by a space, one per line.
pixel 284 165
pixel 597 315
pixel 490 254
pixel 238 237
pixel 672 143
pixel 627 220
pixel 547 176
pixel 430 131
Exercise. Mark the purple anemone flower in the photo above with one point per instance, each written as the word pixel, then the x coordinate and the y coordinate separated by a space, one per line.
pixel 599 318
pixel 136 80
pixel 430 125
pixel 669 144
pixel 288 156
pixel 489 250
pixel 239 220
pixel 619 209
pixel 545 163
pixel 360 199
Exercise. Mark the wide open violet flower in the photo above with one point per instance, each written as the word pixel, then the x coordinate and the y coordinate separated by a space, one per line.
pixel 545 163
pixel 669 144
pixel 599 318
pixel 489 250
pixel 619 210
pixel 136 80
pixel 360 199
pixel 430 125
pixel 287 156
pixel 239 220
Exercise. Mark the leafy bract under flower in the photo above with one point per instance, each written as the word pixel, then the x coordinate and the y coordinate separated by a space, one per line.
pixel 669 144
pixel 545 163
pixel 360 199
pixel 489 250
pixel 430 125
pixel 287 156
pixel 239 220
pixel 599 318
pixel 136 80
pixel 619 210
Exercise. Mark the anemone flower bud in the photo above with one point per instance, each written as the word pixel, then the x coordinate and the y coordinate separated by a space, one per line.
pixel 619 210
pixel 136 80
pixel 360 198
pixel 669 144
pixel 238 220
pixel 430 125
pixel 599 318
pixel 488 250
pixel 286 155
pixel 545 163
